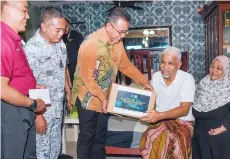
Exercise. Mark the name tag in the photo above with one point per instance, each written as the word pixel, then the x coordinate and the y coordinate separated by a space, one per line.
pixel 61 64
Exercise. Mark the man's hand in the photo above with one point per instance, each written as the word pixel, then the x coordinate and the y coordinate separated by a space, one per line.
pixel 40 124
pixel 41 106
pixel 68 100
pixel 104 106
pixel 217 131
pixel 148 86
pixel 39 86
pixel 68 86
pixel 152 116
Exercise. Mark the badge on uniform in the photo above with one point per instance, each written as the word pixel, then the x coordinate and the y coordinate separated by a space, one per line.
pixel 61 64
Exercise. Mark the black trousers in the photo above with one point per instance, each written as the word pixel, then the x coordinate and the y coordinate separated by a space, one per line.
pixel 18 136
pixel 93 134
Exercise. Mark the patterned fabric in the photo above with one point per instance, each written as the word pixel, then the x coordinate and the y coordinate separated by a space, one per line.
pixel 97 66
pixel 212 94
pixel 48 146
pixel 169 139
pixel 125 132
pixel 187 25
pixel 48 62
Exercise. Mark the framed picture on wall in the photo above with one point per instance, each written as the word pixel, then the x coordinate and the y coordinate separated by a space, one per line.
pixel 151 38
pixel 129 101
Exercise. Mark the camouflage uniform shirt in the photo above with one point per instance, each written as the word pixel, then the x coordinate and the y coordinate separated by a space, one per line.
pixel 48 62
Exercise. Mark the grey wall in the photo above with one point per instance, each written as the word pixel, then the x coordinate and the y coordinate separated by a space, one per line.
pixel 33 22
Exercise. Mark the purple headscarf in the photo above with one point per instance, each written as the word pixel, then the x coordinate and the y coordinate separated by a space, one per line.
pixel 224 60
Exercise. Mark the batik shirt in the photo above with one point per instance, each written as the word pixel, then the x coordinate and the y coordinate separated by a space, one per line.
pixel 48 62
pixel 97 66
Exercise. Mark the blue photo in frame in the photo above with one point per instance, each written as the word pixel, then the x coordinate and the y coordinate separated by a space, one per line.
pixel 132 101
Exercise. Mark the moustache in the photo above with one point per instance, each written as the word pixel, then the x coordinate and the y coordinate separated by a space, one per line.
pixel 164 70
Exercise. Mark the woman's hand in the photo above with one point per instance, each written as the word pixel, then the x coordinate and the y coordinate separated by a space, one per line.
pixel 217 131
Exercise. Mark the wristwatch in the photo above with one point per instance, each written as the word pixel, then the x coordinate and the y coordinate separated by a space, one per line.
pixel 33 106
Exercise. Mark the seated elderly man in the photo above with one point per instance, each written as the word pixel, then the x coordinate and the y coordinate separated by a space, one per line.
pixel 169 134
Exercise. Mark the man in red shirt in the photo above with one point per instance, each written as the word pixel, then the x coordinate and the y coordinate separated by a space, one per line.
pixel 17 109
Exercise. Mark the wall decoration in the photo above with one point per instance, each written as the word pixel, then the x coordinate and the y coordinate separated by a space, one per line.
pixel 187 24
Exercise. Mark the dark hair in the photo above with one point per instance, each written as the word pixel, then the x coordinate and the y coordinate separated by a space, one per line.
pixel 49 13
pixel 118 13
pixel 3 4
pixel 67 20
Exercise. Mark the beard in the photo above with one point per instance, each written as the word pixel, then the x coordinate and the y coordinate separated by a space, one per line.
pixel 165 76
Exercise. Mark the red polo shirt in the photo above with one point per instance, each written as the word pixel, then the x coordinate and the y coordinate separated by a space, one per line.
pixel 14 64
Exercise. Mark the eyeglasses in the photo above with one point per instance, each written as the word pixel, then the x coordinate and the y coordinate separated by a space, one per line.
pixel 120 32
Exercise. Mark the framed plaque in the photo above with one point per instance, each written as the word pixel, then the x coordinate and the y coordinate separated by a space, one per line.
pixel 129 101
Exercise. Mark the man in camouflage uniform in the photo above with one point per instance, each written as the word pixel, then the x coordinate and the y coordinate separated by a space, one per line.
pixel 47 56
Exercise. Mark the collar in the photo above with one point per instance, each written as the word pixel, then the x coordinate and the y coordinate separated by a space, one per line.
pixel 105 36
pixel 39 38
pixel 68 36
pixel 10 31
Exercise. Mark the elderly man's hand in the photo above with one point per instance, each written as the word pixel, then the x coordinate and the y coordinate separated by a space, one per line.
pixel 152 116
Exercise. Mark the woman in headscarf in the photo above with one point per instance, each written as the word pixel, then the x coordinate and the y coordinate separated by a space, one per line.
pixel 211 109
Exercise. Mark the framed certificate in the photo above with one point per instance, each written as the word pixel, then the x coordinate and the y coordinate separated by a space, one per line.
pixel 129 101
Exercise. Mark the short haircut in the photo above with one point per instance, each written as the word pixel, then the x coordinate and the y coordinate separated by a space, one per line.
pixel 173 51
pixel 49 13
pixel 67 20
pixel 11 3
pixel 118 13
pixel 3 4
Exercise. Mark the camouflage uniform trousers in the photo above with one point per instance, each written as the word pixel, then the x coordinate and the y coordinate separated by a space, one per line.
pixel 48 146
